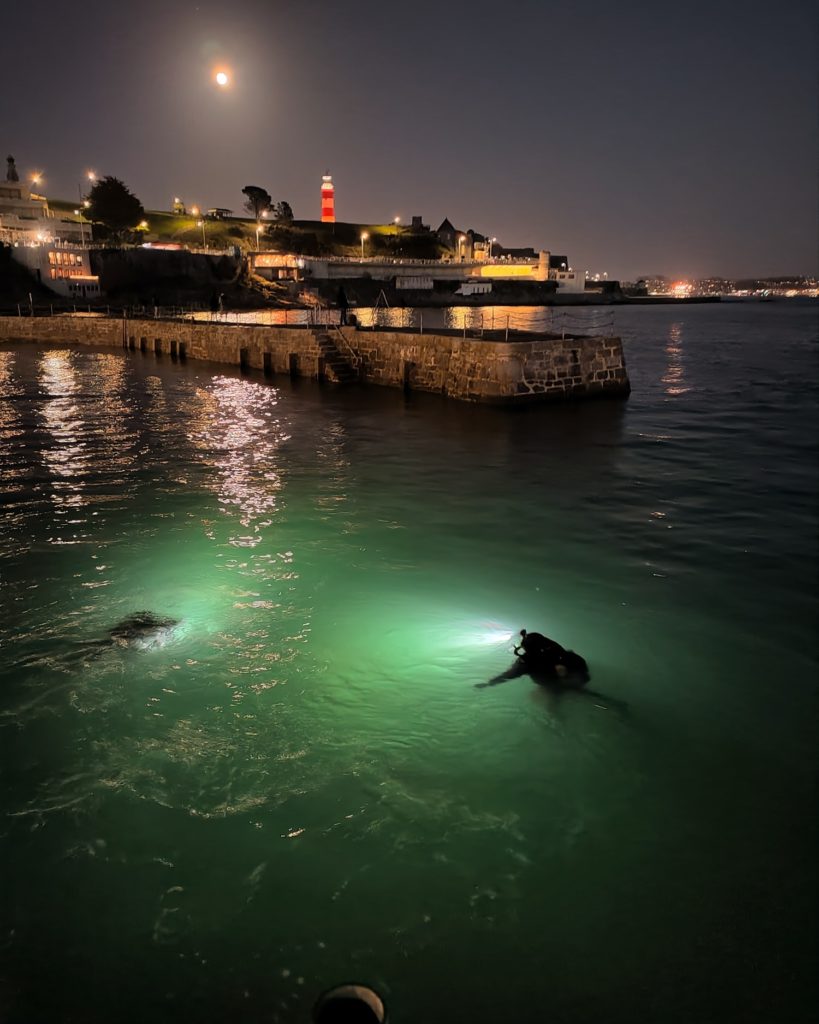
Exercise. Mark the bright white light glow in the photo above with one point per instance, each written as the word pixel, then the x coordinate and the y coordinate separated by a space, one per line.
pixel 495 636
pixel 221 78
pixel 482 634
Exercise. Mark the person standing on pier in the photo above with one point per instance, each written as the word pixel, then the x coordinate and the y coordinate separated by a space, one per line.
pixel 343 305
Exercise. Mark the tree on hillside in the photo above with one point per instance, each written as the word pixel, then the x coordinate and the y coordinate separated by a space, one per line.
pixel 112 204
pixel 258 201
pixel 283 213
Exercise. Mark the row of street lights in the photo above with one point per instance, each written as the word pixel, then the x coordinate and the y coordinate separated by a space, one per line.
pixel 37 177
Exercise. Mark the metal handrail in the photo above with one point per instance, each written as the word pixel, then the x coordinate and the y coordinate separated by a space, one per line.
pixel 354 357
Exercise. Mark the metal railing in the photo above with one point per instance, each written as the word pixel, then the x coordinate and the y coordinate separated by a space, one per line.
pixel 349 352
pixel 489 323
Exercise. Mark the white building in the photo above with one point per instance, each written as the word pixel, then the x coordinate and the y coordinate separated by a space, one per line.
pixel 26 218
pixel 65 269
pixel 406 272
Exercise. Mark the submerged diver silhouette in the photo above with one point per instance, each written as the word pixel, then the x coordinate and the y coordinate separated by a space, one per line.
pixel 551 666
pixel 545 657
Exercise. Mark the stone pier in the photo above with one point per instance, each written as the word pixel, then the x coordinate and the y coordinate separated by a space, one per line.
pixel 467 368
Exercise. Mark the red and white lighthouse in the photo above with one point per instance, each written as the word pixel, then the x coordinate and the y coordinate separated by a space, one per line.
pixel 328 200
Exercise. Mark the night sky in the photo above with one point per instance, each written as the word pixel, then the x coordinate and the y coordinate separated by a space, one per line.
pixel 637 138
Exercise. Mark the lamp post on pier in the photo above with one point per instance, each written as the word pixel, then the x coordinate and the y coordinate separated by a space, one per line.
pixel 364 237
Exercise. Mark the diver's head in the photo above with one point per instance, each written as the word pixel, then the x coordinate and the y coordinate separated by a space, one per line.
pixel 523 632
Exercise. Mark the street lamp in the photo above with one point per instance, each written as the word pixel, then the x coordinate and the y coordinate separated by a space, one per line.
pixel 258 229
pixel 201 224
pixel 78 213
pixel 364 237
pixel 396 221
pixel 461 240
pixel 491 242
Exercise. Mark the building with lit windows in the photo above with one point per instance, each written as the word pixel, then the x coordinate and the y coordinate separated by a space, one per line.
pixel 26 218
pixel 64 269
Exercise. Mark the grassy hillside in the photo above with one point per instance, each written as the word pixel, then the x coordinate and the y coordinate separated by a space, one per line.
pixel 308 237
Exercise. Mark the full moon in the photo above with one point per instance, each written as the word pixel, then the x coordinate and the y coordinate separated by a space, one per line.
pixel 221 78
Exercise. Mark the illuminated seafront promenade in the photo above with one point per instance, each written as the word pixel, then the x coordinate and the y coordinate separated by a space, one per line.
pixel 498 370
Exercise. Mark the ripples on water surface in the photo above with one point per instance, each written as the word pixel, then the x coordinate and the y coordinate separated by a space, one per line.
pixel 299 783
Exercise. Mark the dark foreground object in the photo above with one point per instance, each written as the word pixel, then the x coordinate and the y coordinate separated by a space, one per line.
pixel 350 1004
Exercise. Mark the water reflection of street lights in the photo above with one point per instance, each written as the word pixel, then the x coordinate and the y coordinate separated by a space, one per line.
pixel 364 237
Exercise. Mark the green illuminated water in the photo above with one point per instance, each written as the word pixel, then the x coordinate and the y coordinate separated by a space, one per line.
pixel 301 784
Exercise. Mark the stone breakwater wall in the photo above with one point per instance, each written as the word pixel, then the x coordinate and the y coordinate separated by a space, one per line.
pixel 469 369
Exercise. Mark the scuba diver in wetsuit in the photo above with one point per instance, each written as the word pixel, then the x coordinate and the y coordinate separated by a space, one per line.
pixel 546 657
pixel 552 666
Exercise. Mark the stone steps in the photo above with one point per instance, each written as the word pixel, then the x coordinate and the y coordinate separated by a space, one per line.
pixel 336 365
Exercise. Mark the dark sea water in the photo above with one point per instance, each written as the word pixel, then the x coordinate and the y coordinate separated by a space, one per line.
pixel 300 784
